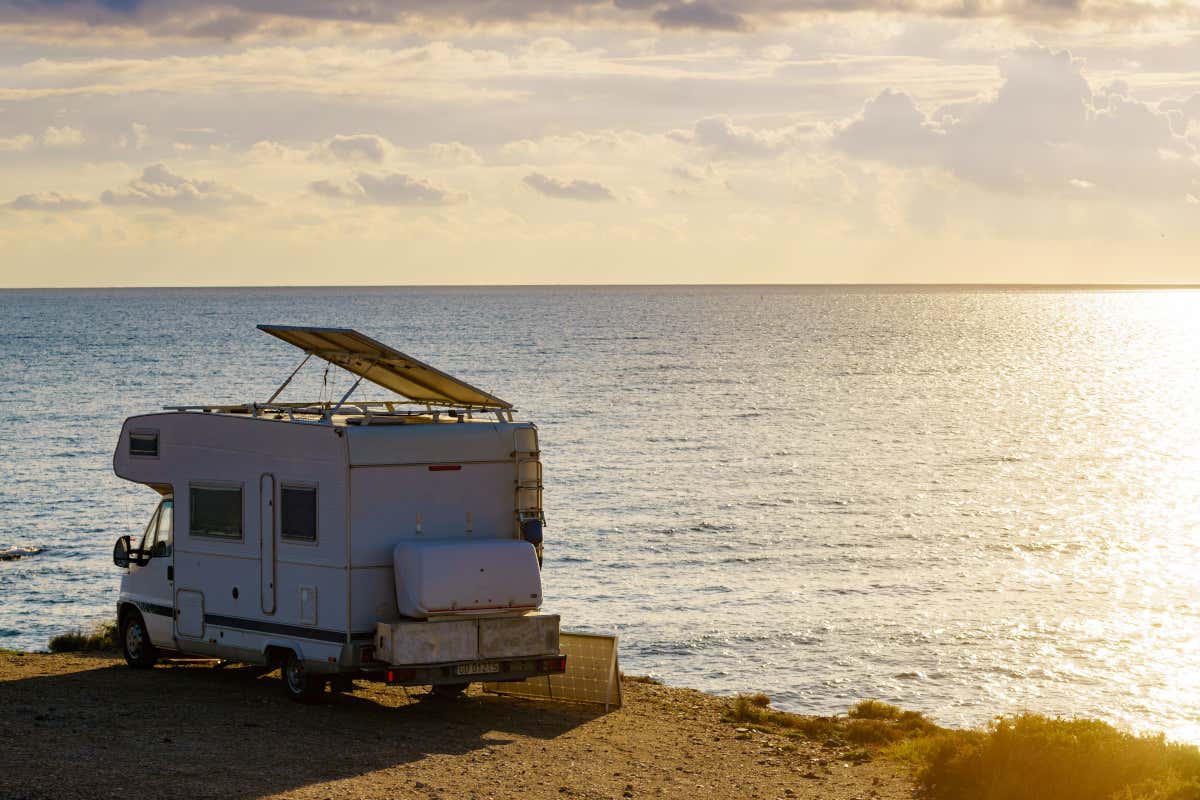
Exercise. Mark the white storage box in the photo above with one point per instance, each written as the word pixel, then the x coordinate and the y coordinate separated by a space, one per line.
pixel 455 576
pixel 441 641
pixel 515 637
pixel 427 642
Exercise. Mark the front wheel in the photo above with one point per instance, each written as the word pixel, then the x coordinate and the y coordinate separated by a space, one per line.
pixel 298 683
pixel 135 642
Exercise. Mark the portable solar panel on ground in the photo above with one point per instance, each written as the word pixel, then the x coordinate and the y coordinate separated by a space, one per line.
pixel 591 676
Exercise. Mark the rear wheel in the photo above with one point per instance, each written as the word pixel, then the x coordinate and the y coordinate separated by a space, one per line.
pixel 298 683
pixel 135 642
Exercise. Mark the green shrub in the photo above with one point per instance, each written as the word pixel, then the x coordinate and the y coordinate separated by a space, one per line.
pixel 641 679
pixel 102 637
pixel 875 709
pixel 875 726
pixel 1170 787
pixel 758 700
pixel 818 729
pixel 1032 757
pixel 872 731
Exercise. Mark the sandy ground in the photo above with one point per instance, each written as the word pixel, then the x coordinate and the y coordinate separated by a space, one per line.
pixel 89 727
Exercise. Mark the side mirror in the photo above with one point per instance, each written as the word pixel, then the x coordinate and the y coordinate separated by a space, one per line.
pixel 121 552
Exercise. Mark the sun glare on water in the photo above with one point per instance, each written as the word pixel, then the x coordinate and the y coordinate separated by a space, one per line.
pixel 1136 549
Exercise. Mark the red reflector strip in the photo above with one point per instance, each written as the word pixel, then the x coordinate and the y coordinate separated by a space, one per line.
pixel 444 467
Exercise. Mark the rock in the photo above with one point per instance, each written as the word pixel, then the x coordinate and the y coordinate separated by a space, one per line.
pixel 13 553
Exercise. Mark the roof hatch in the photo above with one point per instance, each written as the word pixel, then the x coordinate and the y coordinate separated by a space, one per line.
pixel 385 366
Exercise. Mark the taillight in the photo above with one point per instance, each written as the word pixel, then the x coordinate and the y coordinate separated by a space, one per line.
pixel 556 664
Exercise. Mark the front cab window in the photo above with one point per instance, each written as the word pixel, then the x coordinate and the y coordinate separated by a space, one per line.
pixel 156 540
pixel 148 535
pixel 162 542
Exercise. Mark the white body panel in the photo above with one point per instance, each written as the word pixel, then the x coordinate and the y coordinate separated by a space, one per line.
pixel 458 576
pixel 236 596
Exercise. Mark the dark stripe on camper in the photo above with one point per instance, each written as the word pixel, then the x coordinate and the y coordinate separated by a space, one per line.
pixel 260 626
pixel 151 608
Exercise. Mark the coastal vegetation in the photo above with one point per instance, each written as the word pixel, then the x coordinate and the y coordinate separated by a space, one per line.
pixel 103 636
pixel 1017 757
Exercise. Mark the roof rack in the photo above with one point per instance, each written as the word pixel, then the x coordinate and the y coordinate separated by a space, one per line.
pixel 369 411
pixel 434 392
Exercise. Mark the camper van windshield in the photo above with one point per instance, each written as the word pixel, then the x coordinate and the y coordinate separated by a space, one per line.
pixel 148 534
pixel 215 511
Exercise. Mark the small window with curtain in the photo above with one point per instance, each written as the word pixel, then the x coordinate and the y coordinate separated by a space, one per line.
pixel 216 511
pixel 143 444
pixel 298 513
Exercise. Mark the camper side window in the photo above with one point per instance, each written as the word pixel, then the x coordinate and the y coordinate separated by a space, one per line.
pixel 298 512
pixel 143 443
pixel 215 511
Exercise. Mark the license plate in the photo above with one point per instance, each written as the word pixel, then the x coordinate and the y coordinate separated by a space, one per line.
pixel 477 669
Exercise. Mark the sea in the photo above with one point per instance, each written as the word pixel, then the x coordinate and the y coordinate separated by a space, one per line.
pixel 967 501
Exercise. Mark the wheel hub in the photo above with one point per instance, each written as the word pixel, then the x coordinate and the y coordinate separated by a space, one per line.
pixel 133 639
pixel 295 674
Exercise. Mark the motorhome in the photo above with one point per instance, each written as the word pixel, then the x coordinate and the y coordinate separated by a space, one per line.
pixel 398 540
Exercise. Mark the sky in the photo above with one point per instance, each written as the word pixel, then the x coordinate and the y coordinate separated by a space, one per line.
pixel 368 142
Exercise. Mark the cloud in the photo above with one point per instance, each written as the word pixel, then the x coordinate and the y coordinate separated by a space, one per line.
pixel 437 72
pixel 453 153
pixel 723 138
pixel 604 146
pixel 141 134
pixel 588 191
pixel 695 174
pixel 388 189
pixel 158 187
pixel 358 146
pixel 891 128
pixel 64 138
pixel 49 201
pixel 234 19
pixel 16 143
pixel 699 15
pixel 1044 127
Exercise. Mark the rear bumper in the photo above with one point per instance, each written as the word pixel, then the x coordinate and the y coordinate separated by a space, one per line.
pixel 510 669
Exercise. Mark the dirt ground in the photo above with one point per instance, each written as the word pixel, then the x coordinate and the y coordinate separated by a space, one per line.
pixel 76 726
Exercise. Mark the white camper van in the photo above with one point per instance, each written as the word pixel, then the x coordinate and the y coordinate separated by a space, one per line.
pixel 397 540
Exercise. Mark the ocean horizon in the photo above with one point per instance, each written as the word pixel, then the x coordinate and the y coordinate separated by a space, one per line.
pixel 966 499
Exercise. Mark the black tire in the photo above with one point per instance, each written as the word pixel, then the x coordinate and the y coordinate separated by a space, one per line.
pixel 449 691
pixel 298 683
pixel 135 641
